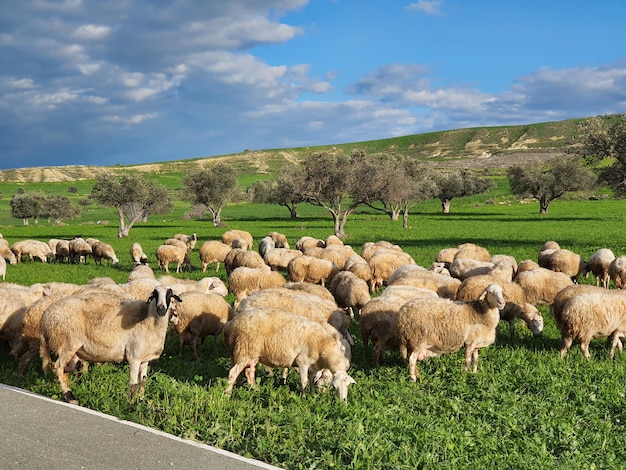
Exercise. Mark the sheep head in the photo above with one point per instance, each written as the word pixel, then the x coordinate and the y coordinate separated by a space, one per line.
pixel 163 298
pixel 494 296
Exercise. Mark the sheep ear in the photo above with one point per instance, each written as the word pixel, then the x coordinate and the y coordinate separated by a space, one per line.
pixel 151 298
pixel 483 296
pixel 177 298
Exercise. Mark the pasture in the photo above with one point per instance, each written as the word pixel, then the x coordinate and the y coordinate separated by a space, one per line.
pixel 524 408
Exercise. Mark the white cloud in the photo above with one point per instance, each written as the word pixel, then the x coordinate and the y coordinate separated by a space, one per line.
pixel 430 7
pixel 92 32
pixel 131 120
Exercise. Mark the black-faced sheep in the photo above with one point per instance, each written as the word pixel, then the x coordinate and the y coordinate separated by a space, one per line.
pixel 430 327
pixel 598 265
pixel 213 251
pixel 189 240
pixel 105 328
pixel 279 338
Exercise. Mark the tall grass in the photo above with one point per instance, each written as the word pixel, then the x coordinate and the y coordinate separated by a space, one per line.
pixel 524 408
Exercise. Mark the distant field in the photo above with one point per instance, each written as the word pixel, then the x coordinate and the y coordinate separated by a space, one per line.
pixel 524 408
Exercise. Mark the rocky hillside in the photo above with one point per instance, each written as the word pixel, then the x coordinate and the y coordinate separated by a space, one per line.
pixel 484 147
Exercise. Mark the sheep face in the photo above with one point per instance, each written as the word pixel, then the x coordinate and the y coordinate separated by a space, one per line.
pixel 341 382
pixel 163 298
pixel 494 296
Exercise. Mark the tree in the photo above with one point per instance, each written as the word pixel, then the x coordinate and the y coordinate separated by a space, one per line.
pixel 27 204
pixel 284 190
pixel 605 138
pixel 551 180
pixel 59 208
pixel 213 188
pixel 459 184
pixel 134 197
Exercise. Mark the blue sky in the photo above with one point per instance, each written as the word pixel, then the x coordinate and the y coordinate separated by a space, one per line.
pixel 135 81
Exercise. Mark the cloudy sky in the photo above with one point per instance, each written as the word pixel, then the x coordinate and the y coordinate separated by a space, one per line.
pixel 133 81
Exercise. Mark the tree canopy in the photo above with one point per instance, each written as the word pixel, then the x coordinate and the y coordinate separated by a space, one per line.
pixel 459 184
pixel 285 190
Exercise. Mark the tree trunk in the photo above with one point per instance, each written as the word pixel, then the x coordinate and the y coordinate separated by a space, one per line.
pixel 123 230
pixel 293 211
pixel 217 217
pixel 445 206
pixel 543 205
pixel 25 221
pixel 405 219
pixel 395 214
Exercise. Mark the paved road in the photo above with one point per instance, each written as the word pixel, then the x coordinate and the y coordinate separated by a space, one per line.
pixel 37 433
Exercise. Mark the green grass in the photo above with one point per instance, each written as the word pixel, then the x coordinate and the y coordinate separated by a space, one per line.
pixel 524 408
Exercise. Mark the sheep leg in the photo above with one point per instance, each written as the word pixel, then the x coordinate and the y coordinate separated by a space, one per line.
pixel 233 374
pixel 62 377
pixel 584 347
pixel 379 349
pixel 27 357
pixel 567 344
pixel 285 374
pixel 133 367
pixel 251 373
pixel 413 372
pixel 143 377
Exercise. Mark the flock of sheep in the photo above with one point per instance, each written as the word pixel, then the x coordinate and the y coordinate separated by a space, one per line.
pixel 294 307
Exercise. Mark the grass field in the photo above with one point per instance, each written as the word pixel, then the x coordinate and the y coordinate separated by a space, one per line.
pixel 524 408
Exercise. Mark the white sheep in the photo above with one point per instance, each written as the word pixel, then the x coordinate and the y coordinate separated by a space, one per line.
pixel 471 250
pixel 462 268
pixel 310 269
pixel 350 291
pixel 189 240
pixel 446 255
pixel 384 262
pixel 357 265
pixel 33 249
pixel 430 327
pixel 213 251
pixel 230 235
pixel 598 265
pixel 541 284
pixel 279 338
pixel 3 268
pixel 239 257
pixel 593 315
pixel 306 242
pixel 617 272
pixel 266 244
pixel 369 248
pixel 62 251
pixel 176 242
pixel 413 275
pixel 80 250
pixel 278 258
pixel 336 254
pixel 167 254
pixel 545 252
pixel 280 240
pixel 7 254
pixel 137 254
pixel 200 315
pixel 140 271
pixel 105 328
pixel 243 281
pixel 567 262
pixel 309 288
pixel 104 251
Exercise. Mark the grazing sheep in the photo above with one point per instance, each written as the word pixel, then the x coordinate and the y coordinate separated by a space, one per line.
pixel 333 240
pixel 598 265
pixel 189 240
pixel 516 304
pixel 462 268
pixel 473 251
pixel 278 258
pixel 213 251
pixel 280 240
pixel 302 303
pixel 212 285
pixel 350 291
pixel 527 265
pixel 137 254
pixel 566 262
pixel 266 244
pixel 278 338
pixel 309 269
pixel 176 242
pixel 545 252
pixel 508 259
pixel 105 328
pixel 7 254
pixel 141 271
pixel 617 272
pixel 239 243
pixel 357 265
pixel 33 249
pixel 309 288
pixel 593 315
pixel 369 248
pixel 541 284
pixel 446 255
pixel 79 250
pixel 336 254
pixel 377 321
pixel 198 316
pixel 414 275
pixel 243 281
pixel 167 254
pixel 230 235
pixel 62 251
pixel 430 327
pixel 104 251
pixel 306 242
pixel 238 257
pixel 384 262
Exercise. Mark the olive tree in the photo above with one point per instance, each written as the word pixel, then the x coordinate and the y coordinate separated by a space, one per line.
pixel 212 189
pixel 459 184
pixel 285 189
pixel 550 180
pixel 27 204
pixel 134 197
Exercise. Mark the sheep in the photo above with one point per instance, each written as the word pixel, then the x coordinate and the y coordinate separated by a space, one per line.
pixel 279 338
pixel 278 258
pixel 238 257
pixel 567 262
pixel 167 254
pixel 239 243
pixel 617 272
pixel 598 265
pixel 545 252
pixel 141 271
pixel 357 265
pixel 384 262
pixel 377 320
pixel 462 268
pixel 430 327
pixel 497 259
pixel 309 288
pixel 307 242
pixel 350 291
pixel 200 315
pixel 176 242
pixel 62 251
pixel 593 315
pixel 189 240
pixel 516 304
pixel 333 240
pixel 280 240
pixel 105 328
pixel 104 251
pixel 303 303
pixel 369 248
pixel 79 250
pixel 33 249
pixel 3 268
pixel 526 265
pixel 309 269
pixel 446 255
pixel 336 254
pixel 265 245
pixel 414 275
pixel 213 251
pixel 212 285
pixel 137 255
pixel 230 235
pixel 473 251
pixel 243 281
pixel 541 284
pixel 7 254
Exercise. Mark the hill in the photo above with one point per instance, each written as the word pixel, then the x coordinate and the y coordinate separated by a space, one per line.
pixel 480 147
